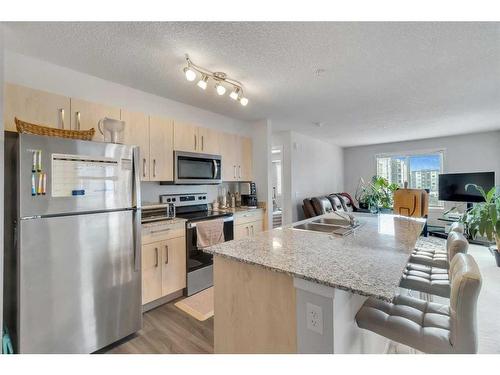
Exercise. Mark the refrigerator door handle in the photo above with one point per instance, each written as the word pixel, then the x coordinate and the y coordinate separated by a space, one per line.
pixel 136 202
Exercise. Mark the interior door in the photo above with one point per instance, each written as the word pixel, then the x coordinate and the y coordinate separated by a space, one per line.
pixel 79 289
pixel 161 149
pixel 137 133
pixel 35 106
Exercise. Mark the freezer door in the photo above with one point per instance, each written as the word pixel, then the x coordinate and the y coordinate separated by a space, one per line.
pixel 79 289
pixel 58 176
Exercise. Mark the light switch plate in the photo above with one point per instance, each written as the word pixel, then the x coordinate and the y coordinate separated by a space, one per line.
pixel 314 317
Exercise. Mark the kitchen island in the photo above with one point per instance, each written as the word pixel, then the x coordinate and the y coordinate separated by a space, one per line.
pixel 297 291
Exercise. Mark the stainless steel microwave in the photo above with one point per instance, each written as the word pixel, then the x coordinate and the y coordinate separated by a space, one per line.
pixel 194 168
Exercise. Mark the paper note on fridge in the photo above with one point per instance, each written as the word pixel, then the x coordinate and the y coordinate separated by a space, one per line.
pixel 93 175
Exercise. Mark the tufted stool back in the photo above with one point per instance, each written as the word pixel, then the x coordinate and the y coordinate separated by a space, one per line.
pixel 322 205
pixel 456 243
pixel 457 227
pixel 465 287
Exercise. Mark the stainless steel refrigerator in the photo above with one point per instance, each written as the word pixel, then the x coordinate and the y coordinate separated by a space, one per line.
pixel 73 279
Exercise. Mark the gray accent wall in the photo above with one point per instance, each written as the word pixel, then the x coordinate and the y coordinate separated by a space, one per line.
pixel 479 152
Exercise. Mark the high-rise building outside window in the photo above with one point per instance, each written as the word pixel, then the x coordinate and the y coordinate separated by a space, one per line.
pixel 421 171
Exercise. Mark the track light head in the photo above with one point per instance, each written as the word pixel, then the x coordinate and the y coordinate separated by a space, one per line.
pixel 235 94
pixel 243 101
pixel 221 90
pixel 190 74
pixel 202 83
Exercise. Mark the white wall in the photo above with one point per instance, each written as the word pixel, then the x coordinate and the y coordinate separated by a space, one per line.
pixel 42 75
pixel 261 144
pixel 311 167
pixel 463 153
pixel 317 169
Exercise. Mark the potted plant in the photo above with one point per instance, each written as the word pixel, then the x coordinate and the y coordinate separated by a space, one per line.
pixel 484 217
pixel 377 196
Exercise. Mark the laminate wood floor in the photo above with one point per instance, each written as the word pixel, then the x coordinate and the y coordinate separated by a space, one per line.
pixel 168 330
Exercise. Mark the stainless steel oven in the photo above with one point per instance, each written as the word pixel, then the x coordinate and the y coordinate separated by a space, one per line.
pixel 195 168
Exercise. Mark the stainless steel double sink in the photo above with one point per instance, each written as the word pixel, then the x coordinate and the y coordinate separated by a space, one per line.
pixel 328 225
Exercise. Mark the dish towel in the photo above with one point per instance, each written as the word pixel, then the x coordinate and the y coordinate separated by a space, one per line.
pixel 210 232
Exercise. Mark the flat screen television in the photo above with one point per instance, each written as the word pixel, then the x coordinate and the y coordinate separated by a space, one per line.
pixel 452 186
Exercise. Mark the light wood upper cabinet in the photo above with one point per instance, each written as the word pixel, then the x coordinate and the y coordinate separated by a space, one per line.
pixel 229 146
pixel 208 141
pixel 151 272
pixel 35 106
pixel 86 115
pixel 185 137
pixel 236 154
pixel 173 265
pixel 161 134
pixel 137 133
pixel 245 165
pixel 192 138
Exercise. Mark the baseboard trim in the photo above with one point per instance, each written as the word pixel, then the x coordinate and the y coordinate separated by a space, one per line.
pixel 161 301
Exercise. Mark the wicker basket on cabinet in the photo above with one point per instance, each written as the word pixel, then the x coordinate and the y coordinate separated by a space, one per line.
pixel 27 128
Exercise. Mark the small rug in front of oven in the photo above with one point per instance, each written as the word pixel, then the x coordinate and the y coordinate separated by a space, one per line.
pixel 200 305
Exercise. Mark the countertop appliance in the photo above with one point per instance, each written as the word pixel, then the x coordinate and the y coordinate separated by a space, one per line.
pixel 194 208
pixel 72 243
pixel 192 168
pixel 248 194
pixel 157 212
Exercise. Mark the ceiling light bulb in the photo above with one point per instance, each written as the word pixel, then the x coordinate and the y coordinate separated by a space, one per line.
pixel 243 101
pixel 190 74
pixel 202 83
pixel 221 90
pixel 235 94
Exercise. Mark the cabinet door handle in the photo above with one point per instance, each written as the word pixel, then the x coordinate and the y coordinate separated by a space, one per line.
pixel 156 257
pixel 160 230
pixel 195 143
pixel 144 167
pixel 234 171
pixel 78 120
pixel 154 167
pixel 239 171
pixel 248 230
pixel 61 117
pixel 202 144
pixel 166 254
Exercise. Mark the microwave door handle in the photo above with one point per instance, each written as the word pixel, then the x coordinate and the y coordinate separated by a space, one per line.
pixel 216 169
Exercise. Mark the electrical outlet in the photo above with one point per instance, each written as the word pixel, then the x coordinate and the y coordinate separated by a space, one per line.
pixel 314 316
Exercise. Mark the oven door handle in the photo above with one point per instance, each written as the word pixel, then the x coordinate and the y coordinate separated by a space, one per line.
pixel 216 168
pixel 193 225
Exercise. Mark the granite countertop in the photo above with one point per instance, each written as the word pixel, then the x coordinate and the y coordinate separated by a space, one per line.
pixel 175 220
pixel 368 262
pixel 236 210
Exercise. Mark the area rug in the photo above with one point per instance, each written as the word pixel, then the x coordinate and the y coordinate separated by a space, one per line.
pixel 200 305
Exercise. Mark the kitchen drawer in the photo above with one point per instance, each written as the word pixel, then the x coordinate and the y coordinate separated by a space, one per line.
pixel 248 216
pixel 248 229
pixel 153 232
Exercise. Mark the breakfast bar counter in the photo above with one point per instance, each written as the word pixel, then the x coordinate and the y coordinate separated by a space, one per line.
pixel 292 290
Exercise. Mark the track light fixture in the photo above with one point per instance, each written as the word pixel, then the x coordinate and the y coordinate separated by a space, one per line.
pixel 222 81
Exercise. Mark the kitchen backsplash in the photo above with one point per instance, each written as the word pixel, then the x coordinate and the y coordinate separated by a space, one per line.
pixel 151 191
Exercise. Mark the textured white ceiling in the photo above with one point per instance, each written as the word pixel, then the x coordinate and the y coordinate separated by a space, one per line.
pixel 382 82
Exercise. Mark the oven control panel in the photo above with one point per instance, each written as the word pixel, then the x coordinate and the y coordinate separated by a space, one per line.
pixel 180 200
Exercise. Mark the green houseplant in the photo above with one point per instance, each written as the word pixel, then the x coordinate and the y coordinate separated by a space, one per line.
pixel 484 218
pixel 377 195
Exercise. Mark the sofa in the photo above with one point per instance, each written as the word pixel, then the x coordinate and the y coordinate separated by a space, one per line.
pixel 316 206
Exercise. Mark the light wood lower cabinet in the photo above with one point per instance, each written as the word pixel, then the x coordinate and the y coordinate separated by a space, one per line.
pixel 35 106
pixel 248 229
pixel 163 262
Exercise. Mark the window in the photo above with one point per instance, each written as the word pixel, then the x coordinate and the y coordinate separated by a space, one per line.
pixel 420 170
